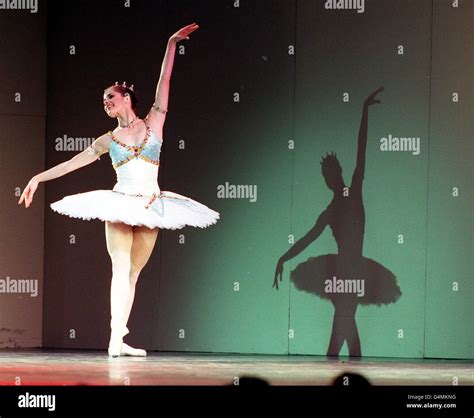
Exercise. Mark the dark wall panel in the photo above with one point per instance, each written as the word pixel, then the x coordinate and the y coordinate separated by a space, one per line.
pixel 22 117
pixel 23 61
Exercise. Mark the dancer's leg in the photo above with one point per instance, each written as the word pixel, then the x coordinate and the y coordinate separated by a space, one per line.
pixel 344 328
pixel 353 339
pixel 119 239
pixel 337 335
pixel 144 240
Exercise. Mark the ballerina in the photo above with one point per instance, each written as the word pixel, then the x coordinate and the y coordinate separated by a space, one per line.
pixel 347 278
pixel 135 209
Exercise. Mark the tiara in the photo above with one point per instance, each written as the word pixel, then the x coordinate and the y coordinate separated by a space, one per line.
pixel 328 157
pixel 124 84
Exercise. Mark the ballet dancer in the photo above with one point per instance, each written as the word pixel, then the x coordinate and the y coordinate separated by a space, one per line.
pixel 135 209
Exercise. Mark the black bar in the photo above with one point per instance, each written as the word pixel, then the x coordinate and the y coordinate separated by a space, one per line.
pixel 249 399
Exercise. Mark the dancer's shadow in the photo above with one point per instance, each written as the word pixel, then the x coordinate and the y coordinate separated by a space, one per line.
pixel 346 278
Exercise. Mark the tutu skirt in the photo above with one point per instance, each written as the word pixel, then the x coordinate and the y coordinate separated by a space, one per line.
pixel 168 210
pixel 336 277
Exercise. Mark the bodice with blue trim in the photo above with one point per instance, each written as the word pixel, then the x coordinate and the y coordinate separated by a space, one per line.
pixel 148 150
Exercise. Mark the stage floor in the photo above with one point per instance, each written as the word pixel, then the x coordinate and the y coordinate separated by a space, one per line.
pixel 87 367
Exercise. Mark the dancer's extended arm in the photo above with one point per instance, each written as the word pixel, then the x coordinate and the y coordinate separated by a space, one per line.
pixel 157 113
pixel 359 171
pixel 89 155
pixel 300 245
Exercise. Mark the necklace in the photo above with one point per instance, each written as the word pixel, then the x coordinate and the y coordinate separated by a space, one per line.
pixel 128 124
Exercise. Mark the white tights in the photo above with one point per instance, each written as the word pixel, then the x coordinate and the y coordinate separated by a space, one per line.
pixel 129 250
pixel 122 294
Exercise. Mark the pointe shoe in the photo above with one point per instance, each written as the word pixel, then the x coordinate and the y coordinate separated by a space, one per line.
pixel 126 350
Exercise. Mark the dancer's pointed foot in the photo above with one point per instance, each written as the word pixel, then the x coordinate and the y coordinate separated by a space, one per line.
pixel 126 350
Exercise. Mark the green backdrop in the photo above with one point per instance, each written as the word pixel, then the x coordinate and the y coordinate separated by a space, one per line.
pixel 300 97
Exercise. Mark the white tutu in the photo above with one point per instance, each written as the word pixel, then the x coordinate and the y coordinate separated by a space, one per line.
pixel 136 199
pixel 168 211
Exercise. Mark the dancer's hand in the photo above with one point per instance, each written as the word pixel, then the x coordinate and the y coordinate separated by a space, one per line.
pixel 184 32
pixel 371 99
pixel 28 193
pixel 278 274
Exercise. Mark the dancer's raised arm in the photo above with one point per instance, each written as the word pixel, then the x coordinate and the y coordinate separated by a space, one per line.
pixel 359 171
pixel 89 155
pixel 157 113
